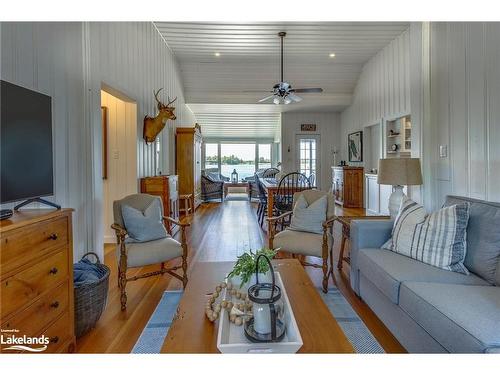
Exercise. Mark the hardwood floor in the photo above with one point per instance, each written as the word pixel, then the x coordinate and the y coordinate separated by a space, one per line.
pixel 219 232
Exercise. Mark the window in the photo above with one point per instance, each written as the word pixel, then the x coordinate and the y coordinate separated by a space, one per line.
pixel 264 154
pixel 307 156
pixel 211 156
pixel 239 157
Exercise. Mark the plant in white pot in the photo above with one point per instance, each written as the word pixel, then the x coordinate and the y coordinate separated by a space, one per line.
pixel 243 274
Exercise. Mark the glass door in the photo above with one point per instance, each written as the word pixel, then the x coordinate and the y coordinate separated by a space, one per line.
pixel 308 151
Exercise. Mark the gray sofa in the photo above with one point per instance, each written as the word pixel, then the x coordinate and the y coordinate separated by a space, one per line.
pixel 430 310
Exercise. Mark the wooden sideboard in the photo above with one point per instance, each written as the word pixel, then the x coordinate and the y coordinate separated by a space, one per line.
pixel 36 276
pixel 347 186
pixel 166 188
pixel 188 162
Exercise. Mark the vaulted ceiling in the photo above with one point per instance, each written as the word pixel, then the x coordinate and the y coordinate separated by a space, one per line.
pixel 219 62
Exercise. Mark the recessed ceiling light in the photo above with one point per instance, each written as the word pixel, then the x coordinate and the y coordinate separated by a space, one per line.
pixel 217 54
pixel 331 55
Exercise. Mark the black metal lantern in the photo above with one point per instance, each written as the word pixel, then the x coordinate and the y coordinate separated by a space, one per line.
pixel 267 323
pixel 234 176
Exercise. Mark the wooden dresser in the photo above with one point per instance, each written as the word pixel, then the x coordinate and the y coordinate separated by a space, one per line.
pixel 188 162
pixel 166 188
pixel 347 186
pixel 36 276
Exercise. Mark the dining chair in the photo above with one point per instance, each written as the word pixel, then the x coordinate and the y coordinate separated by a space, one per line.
pixel 270 173
pixel 262 207
pixel 304 243
pixel 312 179
pixel 288 185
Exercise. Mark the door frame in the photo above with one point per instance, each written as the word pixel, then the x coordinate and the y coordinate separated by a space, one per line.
pixel 317 137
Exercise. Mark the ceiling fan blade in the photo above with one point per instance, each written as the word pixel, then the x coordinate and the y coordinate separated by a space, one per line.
pixel 266 98
pixel 257 91
pixel 294 97
pixel 316 89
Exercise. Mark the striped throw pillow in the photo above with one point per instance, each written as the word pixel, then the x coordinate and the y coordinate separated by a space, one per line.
pixel 438 239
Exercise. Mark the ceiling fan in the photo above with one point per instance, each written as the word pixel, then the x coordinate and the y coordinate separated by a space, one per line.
pixel 283 92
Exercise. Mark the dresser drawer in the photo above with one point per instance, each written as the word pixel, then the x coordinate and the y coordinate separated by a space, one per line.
pixel 23 245
pixel 20 289
pixel 59 333
pixel 31 320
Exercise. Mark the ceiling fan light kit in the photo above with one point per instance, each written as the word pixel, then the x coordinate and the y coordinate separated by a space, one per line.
pixel 282 92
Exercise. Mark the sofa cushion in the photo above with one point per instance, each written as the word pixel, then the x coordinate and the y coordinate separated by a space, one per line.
pixel 483 238
pixel 153 252
pixel 302 243
pixel 462 318
pixel 387 270
pixel 437 239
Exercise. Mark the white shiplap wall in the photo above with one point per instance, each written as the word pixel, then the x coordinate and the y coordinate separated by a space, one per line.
pixel 70 62
pixel 383 89
pixel 48 58
pixel 389 86
pixel 465 109
pixel 328 129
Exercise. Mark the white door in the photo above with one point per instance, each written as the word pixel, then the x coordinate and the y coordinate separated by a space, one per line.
pixel 308 156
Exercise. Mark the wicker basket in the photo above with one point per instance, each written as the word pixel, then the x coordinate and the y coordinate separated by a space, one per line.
pixel 90 299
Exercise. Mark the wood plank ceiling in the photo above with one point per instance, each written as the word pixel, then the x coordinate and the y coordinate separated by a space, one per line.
pixel 219 62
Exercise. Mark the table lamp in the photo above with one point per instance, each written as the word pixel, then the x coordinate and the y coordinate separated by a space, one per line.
pixel 398 172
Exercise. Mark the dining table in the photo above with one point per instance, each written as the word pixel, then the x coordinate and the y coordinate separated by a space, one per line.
pixel 271 187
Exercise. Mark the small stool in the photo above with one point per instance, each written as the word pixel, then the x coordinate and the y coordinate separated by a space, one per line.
pixel 186 207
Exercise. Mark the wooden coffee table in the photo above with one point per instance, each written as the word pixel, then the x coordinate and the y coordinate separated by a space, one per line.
pixel 191 332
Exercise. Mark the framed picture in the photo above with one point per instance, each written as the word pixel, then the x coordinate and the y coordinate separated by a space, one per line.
pixel 308 127
pixel 104 124
pixel 355 146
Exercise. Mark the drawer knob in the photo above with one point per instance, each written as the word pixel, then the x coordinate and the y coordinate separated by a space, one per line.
pixel 54 304
pixel 53 236
pixel 53 271
pixel 54 339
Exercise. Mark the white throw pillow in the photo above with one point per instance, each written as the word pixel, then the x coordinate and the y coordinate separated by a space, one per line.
pixel 309 218
pixel 438 239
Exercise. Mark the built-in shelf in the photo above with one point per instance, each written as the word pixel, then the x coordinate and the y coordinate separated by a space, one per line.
pixel 398 132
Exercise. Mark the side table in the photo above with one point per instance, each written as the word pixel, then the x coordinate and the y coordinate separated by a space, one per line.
pixel 345 221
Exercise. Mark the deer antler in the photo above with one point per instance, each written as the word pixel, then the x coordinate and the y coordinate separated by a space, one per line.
pixel 156 96
pixel 170 102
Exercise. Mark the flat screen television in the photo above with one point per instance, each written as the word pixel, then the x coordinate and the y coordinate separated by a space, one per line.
pixel 26 144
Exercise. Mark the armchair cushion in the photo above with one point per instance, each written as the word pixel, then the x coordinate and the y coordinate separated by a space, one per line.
pixel 309 217
pixel 313 195
pixel 302 243
pixel 141 254
pixel 144 225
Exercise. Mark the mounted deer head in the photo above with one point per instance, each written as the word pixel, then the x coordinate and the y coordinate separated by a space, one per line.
pixel 154 125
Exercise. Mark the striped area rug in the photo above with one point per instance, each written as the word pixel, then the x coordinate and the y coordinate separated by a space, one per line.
pixel 152 337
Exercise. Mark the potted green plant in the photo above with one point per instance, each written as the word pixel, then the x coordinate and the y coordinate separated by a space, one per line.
pixel 243 273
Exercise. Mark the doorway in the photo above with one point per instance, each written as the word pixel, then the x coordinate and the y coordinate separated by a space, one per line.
pixel 308 151
pixel 119 154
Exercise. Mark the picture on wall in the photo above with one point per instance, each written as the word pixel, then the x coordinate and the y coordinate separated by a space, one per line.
pixel 355 146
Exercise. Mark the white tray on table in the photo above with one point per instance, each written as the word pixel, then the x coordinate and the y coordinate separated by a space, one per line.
pixel 232 339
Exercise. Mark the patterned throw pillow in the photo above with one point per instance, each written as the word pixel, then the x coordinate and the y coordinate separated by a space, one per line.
pixel 144 226
pixel 438 239
pixel 309 218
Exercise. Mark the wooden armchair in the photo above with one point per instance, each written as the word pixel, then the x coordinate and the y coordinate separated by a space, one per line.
pixel 140 254
pixel 306 243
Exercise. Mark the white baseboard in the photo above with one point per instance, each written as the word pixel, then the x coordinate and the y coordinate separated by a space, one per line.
pixel 109 239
